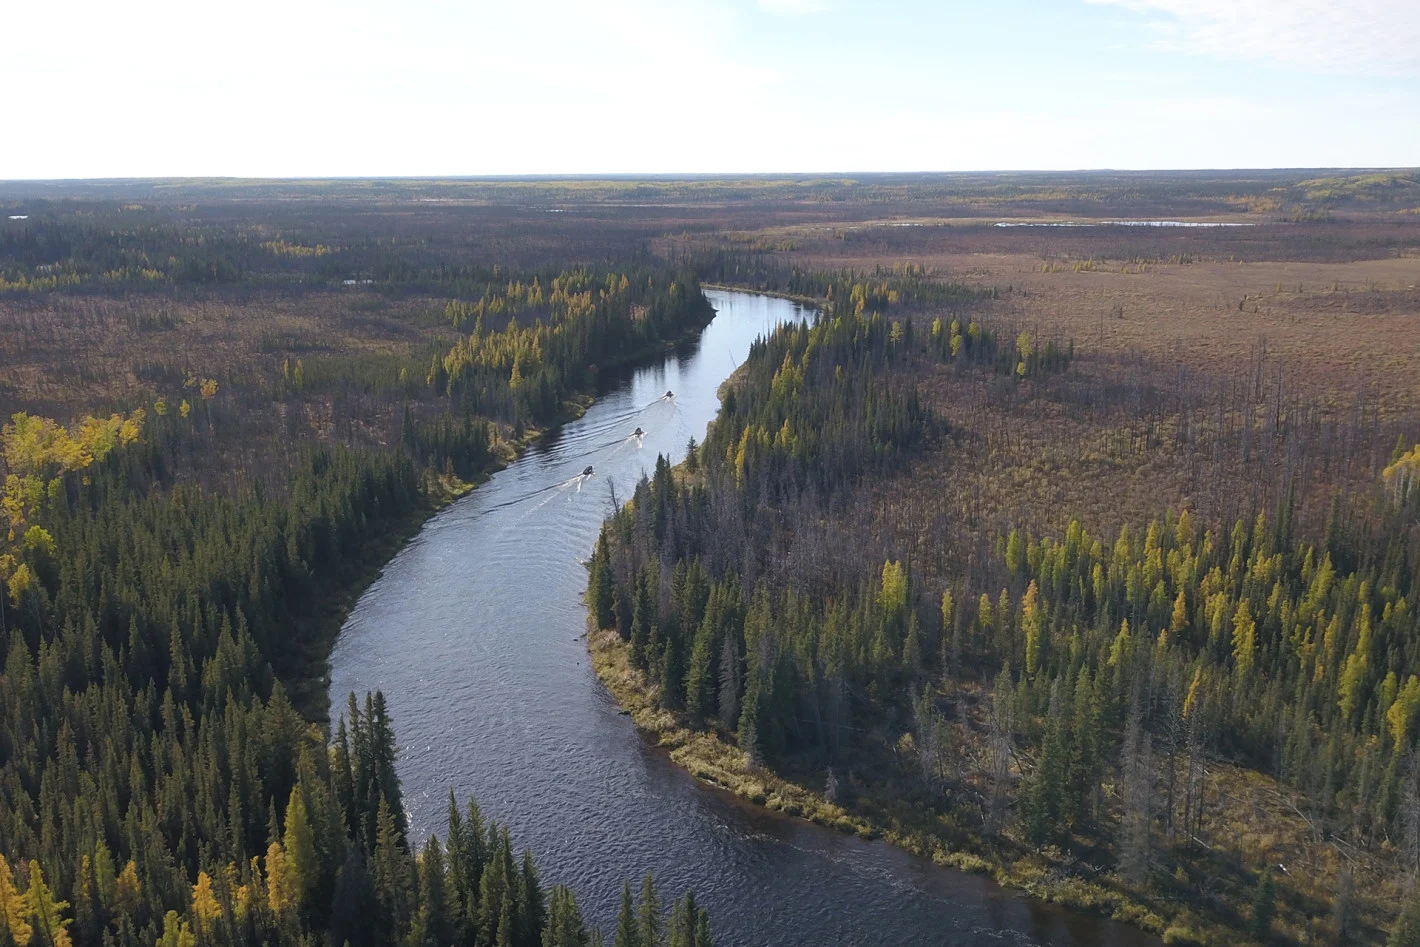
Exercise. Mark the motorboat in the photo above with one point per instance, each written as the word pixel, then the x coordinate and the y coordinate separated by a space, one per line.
pixel 588 471
pixel 669 393
pixel 638 433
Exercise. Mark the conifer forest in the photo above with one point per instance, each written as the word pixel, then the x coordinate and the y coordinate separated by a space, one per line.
pixel 1082 558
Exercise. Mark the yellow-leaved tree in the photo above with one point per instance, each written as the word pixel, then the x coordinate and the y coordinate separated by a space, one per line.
pixel 893 597
pixel 176 933
pixel 1402 475
pixel 14 912
pixel 204 903
pixel 280 886
pixel 128 892
pixel 36 453
pixel 46 911
pixel 300 845
pixel 1244 639
pixel 1032 627
pixel 1356 668
pixel 1403 711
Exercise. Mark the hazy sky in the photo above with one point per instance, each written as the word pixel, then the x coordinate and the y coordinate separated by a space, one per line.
pixel 108 88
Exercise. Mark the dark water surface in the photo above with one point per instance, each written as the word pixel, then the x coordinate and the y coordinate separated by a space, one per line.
pixel 472 632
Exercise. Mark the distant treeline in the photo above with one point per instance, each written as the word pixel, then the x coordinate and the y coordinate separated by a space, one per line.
pixel 152 248
pixel 904 287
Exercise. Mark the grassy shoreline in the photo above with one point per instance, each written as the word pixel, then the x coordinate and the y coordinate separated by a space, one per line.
pixel 712 760
pixel 731 288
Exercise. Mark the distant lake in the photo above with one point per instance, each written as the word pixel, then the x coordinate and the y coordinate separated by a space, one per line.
pixel 1120 223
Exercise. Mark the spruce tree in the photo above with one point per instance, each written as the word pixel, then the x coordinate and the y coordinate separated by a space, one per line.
pixel 729 684
pixel 601 593
pixel 565 927
pixel 434 925
pixel 643 620
pixel 507 926
pixel 532 906
pixel 496 889
pixel 627 933
pixel 1044 798
pixel 460 880
pixel 354 906
pixel 1264 905
pixel 684 918
pixel 648 915
pixel 699 675
pixel 392 873
pixel 702 929
pixel 384 752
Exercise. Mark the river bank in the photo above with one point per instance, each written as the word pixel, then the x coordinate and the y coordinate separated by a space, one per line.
pixel 713 760
pixel 717 761
pixel 808 301
pixel 308 689
pixel 475 634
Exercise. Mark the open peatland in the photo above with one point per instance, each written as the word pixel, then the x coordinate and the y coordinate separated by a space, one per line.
pixel 226 401
pixel 1094 573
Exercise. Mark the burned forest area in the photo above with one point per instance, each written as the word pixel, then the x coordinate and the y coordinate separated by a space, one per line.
pixel 1072 541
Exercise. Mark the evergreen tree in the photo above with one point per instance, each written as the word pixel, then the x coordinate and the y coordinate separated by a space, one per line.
pixel 729 685
pixel 300 848
pixel 434 926
pixel 506 935
pixel 601 592
pixel 532 906
pixel 354 905
pixel 1264 905
pixel 1044 799
pixel 565 927
pixel 393 873
pixel 628 934
pixel 648 915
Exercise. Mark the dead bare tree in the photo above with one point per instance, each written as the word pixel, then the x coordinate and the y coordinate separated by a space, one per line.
pixel 999 743
pixel 1136 772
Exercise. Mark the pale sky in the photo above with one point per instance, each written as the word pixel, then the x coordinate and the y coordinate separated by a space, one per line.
pixel 274 88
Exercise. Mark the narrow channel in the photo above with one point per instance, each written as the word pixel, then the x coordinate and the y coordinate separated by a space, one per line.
pixel 474 630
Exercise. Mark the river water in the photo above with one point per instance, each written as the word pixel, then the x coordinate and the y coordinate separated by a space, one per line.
pixel 473 633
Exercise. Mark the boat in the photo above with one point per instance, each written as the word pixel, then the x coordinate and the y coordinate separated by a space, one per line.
pixel 638 433
pixel 588 471
pixel 669 393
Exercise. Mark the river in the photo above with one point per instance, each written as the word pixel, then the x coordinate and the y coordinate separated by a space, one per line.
pixel 473 632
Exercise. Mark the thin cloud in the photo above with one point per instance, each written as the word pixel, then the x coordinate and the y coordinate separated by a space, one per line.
pixel 1372 37
pixel 796 7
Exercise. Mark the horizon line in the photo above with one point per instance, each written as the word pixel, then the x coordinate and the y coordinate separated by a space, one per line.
pixel 690 175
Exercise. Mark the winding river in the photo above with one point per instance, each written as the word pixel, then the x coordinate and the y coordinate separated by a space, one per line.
pixel 474 630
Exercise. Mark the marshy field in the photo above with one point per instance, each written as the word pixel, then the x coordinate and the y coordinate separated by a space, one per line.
pixel 1073 543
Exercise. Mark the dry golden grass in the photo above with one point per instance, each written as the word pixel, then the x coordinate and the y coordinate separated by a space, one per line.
pixel 1344 326
pixel 1342 349
pixel 60 350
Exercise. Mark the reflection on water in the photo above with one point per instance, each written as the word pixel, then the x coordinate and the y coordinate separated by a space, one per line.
pixel 474 634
